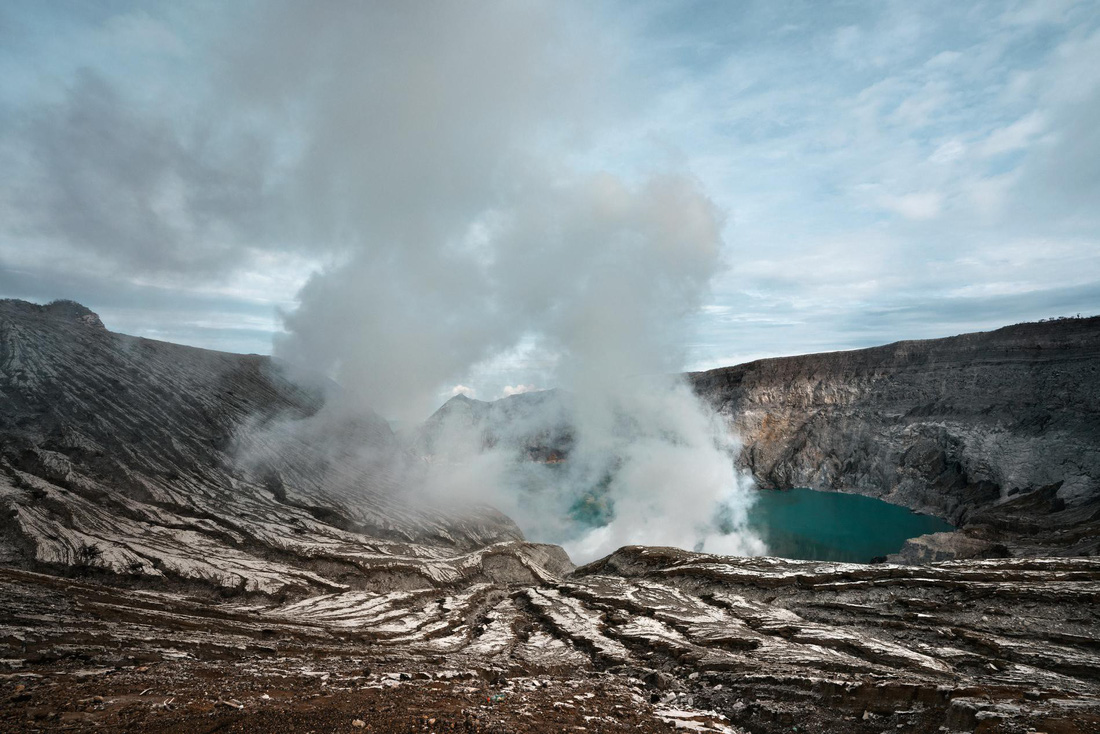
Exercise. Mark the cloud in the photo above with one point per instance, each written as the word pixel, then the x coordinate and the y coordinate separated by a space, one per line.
pixel 918 205
pixel 102 176
pixel 948 152
pixel 1013 137
pixel 143 32
pixel 446 183
pixel 1038 12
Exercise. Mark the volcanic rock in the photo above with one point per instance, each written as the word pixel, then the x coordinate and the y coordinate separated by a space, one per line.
pixel 147 459
pixel 190 542
pixel 951 427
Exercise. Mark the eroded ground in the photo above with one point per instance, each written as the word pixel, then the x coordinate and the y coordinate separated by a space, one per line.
pixel 291 695
pixel 648 640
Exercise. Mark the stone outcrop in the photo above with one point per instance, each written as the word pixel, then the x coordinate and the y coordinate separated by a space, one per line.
pixel 966 428
pixel 958 545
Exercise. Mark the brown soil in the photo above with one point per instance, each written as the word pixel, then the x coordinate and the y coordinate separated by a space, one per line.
pixel 196 698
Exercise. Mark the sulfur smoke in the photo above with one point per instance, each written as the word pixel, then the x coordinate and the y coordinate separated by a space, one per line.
pixel 441 157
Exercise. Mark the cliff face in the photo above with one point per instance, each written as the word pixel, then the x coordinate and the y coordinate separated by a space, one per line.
pixel 153 460
pixel 954 427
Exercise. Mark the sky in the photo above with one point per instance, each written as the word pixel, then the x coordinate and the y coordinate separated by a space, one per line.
pixel 803 176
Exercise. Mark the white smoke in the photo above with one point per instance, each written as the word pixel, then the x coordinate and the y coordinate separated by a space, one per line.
pixel 673 478
pixel 438 158
pixel 645 463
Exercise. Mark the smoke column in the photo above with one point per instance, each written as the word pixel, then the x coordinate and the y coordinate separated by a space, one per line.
pixel 441 157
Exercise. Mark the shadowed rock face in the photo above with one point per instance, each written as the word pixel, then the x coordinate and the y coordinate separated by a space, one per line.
pixel 964 428
pixel 150 459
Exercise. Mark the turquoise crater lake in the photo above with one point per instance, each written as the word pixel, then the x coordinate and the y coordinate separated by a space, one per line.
pixel 830 526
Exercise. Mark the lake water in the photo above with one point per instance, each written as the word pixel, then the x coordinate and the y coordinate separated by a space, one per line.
pixel 830 526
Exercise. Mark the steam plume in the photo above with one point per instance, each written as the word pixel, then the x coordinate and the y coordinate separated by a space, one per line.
pixel 440 155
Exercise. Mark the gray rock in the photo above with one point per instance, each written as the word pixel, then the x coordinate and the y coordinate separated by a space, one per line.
pixel 957 427
pixel 658 681
pixel 147 459
pixel 947 547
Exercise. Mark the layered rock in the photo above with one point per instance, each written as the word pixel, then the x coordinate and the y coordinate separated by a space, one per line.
pixel 964 428
pixel 724 644
pixel 159 461
pixel 537 425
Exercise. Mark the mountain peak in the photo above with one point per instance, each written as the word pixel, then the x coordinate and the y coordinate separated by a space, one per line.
pixel 61 308
pixel 65 308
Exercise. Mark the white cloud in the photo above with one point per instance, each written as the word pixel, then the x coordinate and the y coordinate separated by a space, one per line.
pixel 943 58
pixel 1038 12
pixel 921 205
pixel 142 32
pixel 1020 134
pixel 989 195
pixel 948 152
pixel 846 41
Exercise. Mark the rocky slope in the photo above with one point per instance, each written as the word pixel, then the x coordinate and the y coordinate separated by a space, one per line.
pixel 999 431
pixel 145 484
pixel 154 460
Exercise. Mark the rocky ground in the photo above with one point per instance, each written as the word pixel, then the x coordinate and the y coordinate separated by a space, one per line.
pixel 646 640
pixel 197 697
pixel 84 656
pixel 189 541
